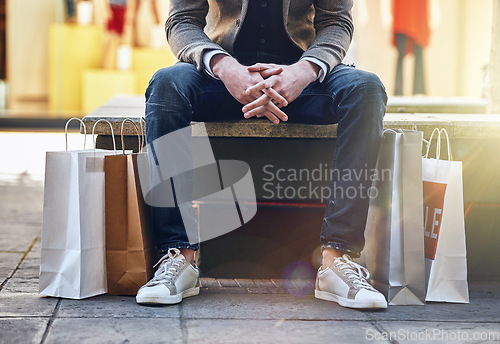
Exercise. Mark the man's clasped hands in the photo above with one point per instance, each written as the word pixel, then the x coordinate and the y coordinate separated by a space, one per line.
pixel 264 88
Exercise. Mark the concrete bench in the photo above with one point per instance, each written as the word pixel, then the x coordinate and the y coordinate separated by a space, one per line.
pixel 433 113
pixel 475 142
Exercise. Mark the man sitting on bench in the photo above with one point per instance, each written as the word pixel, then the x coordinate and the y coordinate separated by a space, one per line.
pixel 279 59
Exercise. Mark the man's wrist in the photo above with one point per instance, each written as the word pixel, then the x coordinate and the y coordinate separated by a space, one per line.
pixel 207 58
pixel 310 70
pixel 218 63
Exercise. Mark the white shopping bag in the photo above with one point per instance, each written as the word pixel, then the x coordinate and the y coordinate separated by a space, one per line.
pixel 445 251
pixel 394 249
pixel 73 239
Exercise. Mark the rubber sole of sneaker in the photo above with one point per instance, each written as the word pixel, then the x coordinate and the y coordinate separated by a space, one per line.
pixel 167 300
pixel 323 295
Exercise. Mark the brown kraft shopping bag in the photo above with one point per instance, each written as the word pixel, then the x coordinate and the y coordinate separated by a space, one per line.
pixel 130 252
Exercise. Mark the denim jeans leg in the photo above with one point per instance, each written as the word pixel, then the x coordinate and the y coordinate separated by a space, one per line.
pixel 356 100
pixel 175 96
pixel 360 104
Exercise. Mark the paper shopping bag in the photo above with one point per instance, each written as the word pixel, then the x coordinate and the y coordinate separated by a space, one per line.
pixel 394 249
pixel 130 251
pixel 72 254
pixel 445 251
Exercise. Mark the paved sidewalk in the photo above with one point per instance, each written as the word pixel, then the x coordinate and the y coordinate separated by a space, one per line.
pixel 226 311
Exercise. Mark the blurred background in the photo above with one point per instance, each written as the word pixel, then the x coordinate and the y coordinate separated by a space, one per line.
pixel 66 57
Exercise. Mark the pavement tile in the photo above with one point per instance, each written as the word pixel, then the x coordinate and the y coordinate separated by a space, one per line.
pixel 21 285
pixel 15 242
pixel 484 289
pixel 439 332
pixel 28 304
pixel 204 290
pixel 35 254
pixel 21 203
pixel 25 279
pixel 8 262
pixel 106 306
pixel 277 282
pixel 21 228
pixel 30 269
pixel 37 246
pixel 478 310
pixel 209 282
pixel 115 330
pixel 302 284
pixel 226 290
pixel 231 283
pixel 279 290
pixel 258 291
pixel 276 331
pixel 264 283
pixel 245 283
pixel 299 288
pixel 19 330
pixel 265 306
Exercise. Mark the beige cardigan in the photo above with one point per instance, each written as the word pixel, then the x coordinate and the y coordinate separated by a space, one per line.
pixel 322 28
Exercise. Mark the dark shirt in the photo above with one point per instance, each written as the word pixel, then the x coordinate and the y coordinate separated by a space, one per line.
pixel 263 32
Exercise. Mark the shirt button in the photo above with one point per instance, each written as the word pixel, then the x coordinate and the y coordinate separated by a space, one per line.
pixel 263 4
pixel 262 41
pixel 262 25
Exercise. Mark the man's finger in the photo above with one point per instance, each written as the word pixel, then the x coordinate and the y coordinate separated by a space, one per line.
pixel 262 111
pixel 280 100
pixel 270 72
pixel 262 100
pixel 248 99
pixel 258 67
pixel 255 112
pixel 275 110
pixel 262 85
pixel 272 117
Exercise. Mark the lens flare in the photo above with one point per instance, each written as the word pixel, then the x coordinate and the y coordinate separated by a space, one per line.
pixel 298 278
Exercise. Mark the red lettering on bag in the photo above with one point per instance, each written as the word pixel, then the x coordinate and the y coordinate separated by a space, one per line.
pixel 433 213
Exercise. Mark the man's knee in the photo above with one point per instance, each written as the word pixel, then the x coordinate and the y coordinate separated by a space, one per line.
pixel 362 81
pixel 347 80
pixel 370 79
pixel 367 87
pixel 359 93
pixel 174 77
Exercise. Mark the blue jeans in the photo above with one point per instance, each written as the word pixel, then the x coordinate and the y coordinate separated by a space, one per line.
pixel 354 99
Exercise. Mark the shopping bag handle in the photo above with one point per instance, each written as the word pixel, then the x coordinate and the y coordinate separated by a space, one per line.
pixel 450 157
pixel 395 131
pixel 139 136
pixel 143 132
pixel 81 125
pixel 438 143
pixel 112 133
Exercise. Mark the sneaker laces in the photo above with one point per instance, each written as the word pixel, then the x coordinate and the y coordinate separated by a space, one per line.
pixel 169 267
pixel 355 273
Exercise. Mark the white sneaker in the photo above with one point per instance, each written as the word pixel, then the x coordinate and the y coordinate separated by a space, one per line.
pixel 345 282
pixel 174 280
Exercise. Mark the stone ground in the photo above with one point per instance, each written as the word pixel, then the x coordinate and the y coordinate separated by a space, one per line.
pixel 226 311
